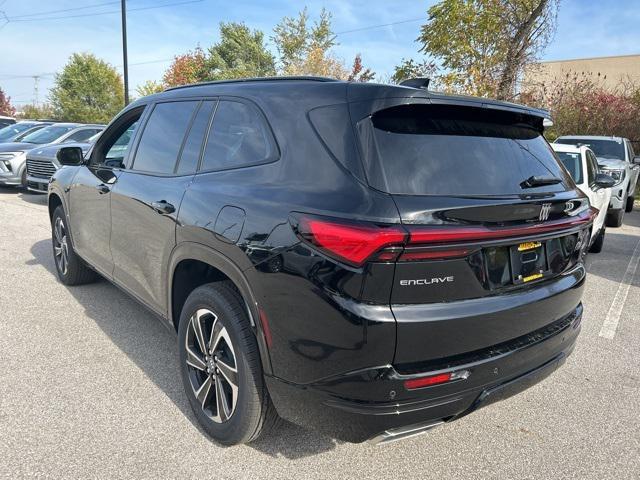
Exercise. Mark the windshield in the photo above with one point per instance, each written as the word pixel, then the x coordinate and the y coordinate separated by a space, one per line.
pixel 47 134
pixel 9 132
pixel 573 163
pixel 610 149
pixel 447 150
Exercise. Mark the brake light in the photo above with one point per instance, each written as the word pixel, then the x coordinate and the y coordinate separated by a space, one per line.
pixel 438 379
pixel 353 243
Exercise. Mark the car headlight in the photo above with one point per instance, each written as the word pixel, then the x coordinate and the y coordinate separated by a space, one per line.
pixel 617 175
pixel 6 157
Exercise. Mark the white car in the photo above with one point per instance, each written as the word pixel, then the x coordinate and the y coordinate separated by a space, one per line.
pixel 582 164
pixel 615 158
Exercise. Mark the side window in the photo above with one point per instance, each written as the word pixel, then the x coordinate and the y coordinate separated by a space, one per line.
pixel 82 135
pixel 592 168
pixel 630 153
pixel 239 137
pixel 162 137
pixel 190 155
pixel 113 144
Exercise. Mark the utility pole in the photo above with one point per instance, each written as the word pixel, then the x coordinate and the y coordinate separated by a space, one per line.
pixel 124 53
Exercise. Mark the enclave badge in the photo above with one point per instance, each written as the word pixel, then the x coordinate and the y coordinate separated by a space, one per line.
pixel 544 212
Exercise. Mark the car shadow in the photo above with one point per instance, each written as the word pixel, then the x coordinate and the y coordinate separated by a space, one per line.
pixel 155 352
pixel 23 194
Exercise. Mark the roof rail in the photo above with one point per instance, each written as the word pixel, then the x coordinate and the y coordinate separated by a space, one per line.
pixel 256 79
pixel 420 82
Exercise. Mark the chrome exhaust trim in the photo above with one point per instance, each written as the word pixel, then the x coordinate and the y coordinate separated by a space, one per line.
pixel 401 433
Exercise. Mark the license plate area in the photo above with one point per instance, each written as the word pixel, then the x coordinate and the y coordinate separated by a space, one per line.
pixel 528 262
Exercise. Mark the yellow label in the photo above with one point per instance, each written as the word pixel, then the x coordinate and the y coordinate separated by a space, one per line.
pixel 532 277
pixel 528 246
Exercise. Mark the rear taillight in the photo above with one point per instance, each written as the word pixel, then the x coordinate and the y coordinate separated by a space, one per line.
pixel 428 381
pixel 355 243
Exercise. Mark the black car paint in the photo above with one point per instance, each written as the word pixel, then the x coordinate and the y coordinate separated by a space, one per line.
pixel 328 332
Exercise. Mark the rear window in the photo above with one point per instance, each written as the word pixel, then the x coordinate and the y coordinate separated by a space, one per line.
pixel 609 149
pixel 572 163
pixel 445 150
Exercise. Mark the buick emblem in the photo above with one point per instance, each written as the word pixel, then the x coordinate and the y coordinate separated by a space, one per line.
pixel 544 212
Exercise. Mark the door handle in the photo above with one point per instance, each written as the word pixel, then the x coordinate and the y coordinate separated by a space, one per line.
pixel 163 207
pixel 102 189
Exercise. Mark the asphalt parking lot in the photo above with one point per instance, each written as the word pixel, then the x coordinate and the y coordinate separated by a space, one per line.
pixel 89 387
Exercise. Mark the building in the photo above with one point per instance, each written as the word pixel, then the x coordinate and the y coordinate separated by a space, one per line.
pixel 612 70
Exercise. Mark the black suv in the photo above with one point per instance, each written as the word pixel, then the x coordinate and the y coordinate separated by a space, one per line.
pixel 366 260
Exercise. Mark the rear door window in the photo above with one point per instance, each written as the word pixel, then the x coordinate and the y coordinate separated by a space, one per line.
pixel 239 137
pixel 446 150
pixel 162 137
pixel 572 163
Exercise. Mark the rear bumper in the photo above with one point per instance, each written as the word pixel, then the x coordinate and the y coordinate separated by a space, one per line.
pixel 373 403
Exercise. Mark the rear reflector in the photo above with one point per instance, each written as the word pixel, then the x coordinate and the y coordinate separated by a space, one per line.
pixel 412 256
pixel 438 379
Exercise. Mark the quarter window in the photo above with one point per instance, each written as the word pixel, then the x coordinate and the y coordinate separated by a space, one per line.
pixel 162 137
pixel 239 137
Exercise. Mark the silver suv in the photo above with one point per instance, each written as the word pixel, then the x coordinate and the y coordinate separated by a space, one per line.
pixel 617 159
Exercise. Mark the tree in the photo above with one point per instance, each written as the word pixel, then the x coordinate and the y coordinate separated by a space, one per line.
pixel 240 53
pixel 149 88
pixel 34 112
pixel 305 49
pixel 483 45
pixel 187 68
pixel 412 69
pixel 88 90
pixel 5 105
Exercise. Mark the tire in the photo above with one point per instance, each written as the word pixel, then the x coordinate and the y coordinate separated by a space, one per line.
pixel 70 267
pixel 596 246
pixel 614 218
pixel 230 356
pixel 629 205
pixel 23 179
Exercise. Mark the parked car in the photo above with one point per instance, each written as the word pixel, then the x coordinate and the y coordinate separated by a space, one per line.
pixel 13 167
pixel 582 164
pixel 17 131
pixel 4 121
pixel 443 249
pixel 42 163
pixel 617 159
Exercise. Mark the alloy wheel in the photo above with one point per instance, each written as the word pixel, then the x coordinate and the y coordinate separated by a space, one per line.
pixel 61 246
pixel 212 365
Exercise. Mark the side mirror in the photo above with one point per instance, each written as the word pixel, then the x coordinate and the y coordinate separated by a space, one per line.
pixel 70 156
pixel 603 180
pixel 636 160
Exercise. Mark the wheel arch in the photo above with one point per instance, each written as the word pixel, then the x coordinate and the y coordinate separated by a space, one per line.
pixel 190 254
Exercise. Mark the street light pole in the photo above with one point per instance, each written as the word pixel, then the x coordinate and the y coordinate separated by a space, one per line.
pixel 124 52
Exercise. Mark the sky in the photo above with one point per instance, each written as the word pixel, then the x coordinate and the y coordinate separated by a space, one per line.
pixel 32 44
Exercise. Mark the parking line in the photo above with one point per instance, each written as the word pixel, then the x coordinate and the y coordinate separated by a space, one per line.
pixel 612 319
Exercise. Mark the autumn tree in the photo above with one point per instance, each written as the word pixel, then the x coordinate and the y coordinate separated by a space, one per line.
pixel 186 68
pixel 5 105
pixel 483 45
pixel 305 48
pixel 149 88
pixel 88 90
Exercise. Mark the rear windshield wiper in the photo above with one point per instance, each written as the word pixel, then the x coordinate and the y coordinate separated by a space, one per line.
pixel 534 181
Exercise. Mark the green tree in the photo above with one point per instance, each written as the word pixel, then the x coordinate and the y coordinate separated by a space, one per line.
pixel 413 69
pixel 5 105
pixel 88 90
pixel 240 53
pixel 483 45
pixel 149 88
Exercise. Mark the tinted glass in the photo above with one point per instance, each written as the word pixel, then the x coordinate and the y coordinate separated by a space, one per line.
pixel 162 137
pixel 47 134
pixel 11 131
pixel 238 137
pixel 193 145
pixel 443 150
pixel 82 135
pixel 611 149
pixel 572 163
pixel 115 155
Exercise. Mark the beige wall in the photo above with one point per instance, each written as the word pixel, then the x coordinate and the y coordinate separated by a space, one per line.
pixel 612 70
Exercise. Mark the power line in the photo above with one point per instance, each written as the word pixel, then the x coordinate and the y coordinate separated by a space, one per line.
pixel 95 5
pixel 111 12
pixel 371 27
